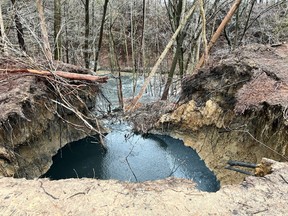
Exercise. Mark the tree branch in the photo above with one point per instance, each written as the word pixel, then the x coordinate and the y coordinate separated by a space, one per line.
pixel 68 75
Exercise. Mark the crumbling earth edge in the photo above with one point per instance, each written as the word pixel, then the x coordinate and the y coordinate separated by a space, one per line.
pixel 256 195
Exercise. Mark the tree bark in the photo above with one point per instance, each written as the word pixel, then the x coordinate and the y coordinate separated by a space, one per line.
pixel 66 34
pixel 68 75
pixel 3 48
pixel 100 35
pixel 170 75
pixel 219 31
pixel 160 59
pixel 19 29
pixel 175 11
pixel 46 44
pixel 57 30
pixel 87 30
pixel 143 36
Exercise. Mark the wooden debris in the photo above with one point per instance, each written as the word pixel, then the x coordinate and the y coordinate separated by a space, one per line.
pixel 68 75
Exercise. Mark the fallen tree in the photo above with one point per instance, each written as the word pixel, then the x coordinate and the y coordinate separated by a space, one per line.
pixel 67 75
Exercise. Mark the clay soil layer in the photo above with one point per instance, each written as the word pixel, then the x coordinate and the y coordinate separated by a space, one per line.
pixel 235 108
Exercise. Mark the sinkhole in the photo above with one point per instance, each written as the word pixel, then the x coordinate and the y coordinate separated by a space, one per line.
pixel 133 158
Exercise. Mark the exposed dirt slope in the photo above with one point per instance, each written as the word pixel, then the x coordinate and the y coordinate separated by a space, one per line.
pixel 235 108
pixel 32 125
pixel 255 196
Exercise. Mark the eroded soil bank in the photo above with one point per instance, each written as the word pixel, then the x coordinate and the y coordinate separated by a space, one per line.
pixel 255 196
pixel 236 108
pixel 233 109
pixel 34 124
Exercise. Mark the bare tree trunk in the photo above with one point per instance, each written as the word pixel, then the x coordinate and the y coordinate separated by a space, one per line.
pixel 177 11
pixel 114 60
pixel 87 29
pixel 247 21
pixel 143 36
pixel 170 75
pixel 66 35
pixel 202 12
pixel 160 59
pixel 132 41
pixel 46 44
pixel 219 30
pixel 3 48
pixel 100 35
pixel 19 28
pixel 57 30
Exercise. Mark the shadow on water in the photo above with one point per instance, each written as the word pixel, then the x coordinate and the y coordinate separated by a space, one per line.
pixel 132 158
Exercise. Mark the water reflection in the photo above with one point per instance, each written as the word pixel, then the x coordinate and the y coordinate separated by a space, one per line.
pixel 132 158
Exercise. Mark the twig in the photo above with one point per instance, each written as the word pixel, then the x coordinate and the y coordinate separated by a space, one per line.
pixel 174 170
pixel 260 211
pixel 79 193
pixel 129 164
pixel 283 178
pixel 76 173
pixel 41 185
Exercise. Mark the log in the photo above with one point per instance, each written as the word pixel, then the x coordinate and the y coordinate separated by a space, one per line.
pixel 67 75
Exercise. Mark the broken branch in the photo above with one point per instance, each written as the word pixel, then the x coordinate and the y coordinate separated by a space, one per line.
pixel 67 75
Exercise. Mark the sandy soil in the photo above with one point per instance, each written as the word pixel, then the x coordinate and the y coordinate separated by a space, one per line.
pixel 255 196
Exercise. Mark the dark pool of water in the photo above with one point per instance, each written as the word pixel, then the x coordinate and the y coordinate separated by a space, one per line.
pixel 132 158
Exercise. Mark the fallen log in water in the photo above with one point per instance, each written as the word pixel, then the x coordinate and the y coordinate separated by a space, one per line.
pixel 68 75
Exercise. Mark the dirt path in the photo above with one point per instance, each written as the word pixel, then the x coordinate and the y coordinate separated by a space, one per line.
pixel 255 196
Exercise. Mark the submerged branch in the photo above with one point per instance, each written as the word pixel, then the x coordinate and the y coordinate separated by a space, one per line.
pixel 126 158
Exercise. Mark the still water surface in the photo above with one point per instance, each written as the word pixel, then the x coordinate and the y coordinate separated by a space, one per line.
pixel 132 158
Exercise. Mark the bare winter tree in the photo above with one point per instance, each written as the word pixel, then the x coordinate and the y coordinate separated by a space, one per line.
pixel 87 30
pixel 19 28
pixel 175 9
pixel 46 44
pixel 57 30
pixel 2 34
pixel 100 35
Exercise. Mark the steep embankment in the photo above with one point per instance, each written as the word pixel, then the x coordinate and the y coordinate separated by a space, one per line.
pixel 34 124
pixel 235 109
